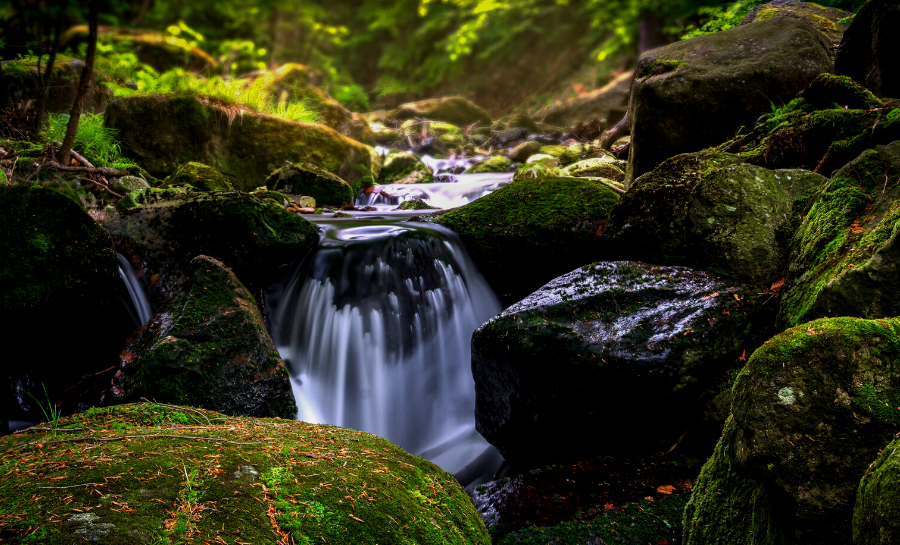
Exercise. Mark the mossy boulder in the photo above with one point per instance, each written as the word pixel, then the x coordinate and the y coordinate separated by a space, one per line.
pixel 207 346
pixel 498 163
pixel 523 151
pixel 830 21
pixel 416 204
pixel 609 102
pixel 251 236
pixel 140 197
pixel 868 50
pixel 876 516
pixel 727 507
pixel 456 110
pixel 276 196
pixel 23 84
pixel 404 167
pixel 308 179
pixel 293 82
pixel 829 89
pixel 199 177
pixel 531 231
pixel 584 150
pixel 604 167
pixel 813 407
pixel 126 184
pixel 553 150
pixel 386 136
pixel 162 132
pixel 709 210
pixel 844 254
pixel 696 93
pixel 187 474
pixel 158 50
pixel 608 331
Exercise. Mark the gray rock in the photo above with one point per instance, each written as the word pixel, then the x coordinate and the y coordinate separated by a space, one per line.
pixel 127 184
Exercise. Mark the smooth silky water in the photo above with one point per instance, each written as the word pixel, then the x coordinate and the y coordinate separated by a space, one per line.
pixel 375 326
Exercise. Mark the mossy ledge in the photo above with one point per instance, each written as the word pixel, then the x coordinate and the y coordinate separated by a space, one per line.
pixel 149 473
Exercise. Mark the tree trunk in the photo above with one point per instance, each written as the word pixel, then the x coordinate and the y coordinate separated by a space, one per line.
pixel 650 32
pixel 75 116
pixel 48 74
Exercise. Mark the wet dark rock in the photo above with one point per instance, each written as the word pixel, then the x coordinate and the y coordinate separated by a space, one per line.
pixel 844 253
pixel 868 50
pixel 813 407
pixel 250 235
pixel 709 210
pixel 207 346
pixel 433 146
pixel 513 134
pixel 606 350
pixel 696 93
pixel 308 179
pixel 876 516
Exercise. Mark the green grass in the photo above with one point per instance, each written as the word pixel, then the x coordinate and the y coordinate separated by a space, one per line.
pixel 97 143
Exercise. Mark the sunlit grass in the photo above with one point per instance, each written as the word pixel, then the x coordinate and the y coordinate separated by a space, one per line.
pixel 97 143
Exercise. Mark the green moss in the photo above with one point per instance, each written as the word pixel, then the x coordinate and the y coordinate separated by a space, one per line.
pixel 416 204
pixel 553 151
pixel 404 167
pixel 656 67
pixel 198 176
pixel 829 88
pixel 239 479
pixel 498 163
pixel 876 516
pixel 309 179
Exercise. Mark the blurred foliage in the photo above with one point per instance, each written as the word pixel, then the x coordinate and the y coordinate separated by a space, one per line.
pixel 98 144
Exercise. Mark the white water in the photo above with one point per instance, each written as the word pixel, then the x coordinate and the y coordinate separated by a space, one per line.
pixel 376 329
pixel 140 307
pixel 463 189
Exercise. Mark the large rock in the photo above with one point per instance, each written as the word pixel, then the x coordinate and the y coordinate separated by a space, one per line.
pixel 609 102
pixel 57 287
pixel 868 50
pixel 404 167
pixel 191 475
pixel 813 407
pixel 876 516
pixel 207 346
pixel 710 210
pixel 456 110
pixel 828 20
pixel 161 132
pixel 23 84
pixel 293 82
pixel 696 93
pixel 308 179
pixel 199 177
pixel 844 256
pixel 579 366
pixel 251 236
pixel 531 231
pixel 727 507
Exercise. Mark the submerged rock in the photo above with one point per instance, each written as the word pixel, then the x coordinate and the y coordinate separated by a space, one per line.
pixel 606 350
pixel 308 179
pixel 868 50
pixel 530 231
pixel 198 176
pixel 696 93
pixel 813 407
pixel 207 346
pixel 844 255
pixel 161 132
pixel 251 236
pixel 709 210
pixel 876 516
pixel 246 480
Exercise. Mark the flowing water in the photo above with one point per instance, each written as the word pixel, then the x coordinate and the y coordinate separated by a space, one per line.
pixel 138 305
pixel 376 325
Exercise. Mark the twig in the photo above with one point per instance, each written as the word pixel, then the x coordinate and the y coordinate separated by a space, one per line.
pixel 88 170
pixel 72 486
pixel 139 436
pixel 35 173
pixel 108 190
pixel 609 185
pixel 26 430
pixel 80 158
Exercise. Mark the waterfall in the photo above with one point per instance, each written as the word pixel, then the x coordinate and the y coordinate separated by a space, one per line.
pixel 139 308
pixel 460 189
pixel 376 329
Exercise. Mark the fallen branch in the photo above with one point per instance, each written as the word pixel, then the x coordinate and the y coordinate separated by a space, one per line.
pixel 108 190
pixel 26 430
pixel 618 190
pixel 88 170
pixel 620 129
pixel 72 486
pixel 80 158
pixel 139 436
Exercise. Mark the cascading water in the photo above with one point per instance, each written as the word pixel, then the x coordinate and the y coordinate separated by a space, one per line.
pixel 376 327
pixel 139 308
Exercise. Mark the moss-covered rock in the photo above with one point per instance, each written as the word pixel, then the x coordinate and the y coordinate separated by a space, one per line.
pixel 278 197
pixel 308 179
pixel 531 231
pixel 584 150
pixel 162 132
pixel 523 151
pixel 709 210
pixel 830 21
pixel 868 48
pixel 386 136
pixel 404 167
pixel 293 82
pixel 696 93
pixel 194 475
pixel 637 341
pixel 876 516
pixel 498 163
pixel 553 150
pixel 140 197
pixel 844 254
pixel 456 110
pixel 597 167
pixel 4 180
pixel 251 236
pixel 813 407
pixel 126 184
pixel 23 84
pixel 828 89
pixel 198 176
pixel 207 346
pixel 729 508
pixel 160 51
pixel 416 204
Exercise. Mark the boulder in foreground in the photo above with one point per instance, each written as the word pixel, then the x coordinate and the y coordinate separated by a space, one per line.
pixel 193 475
